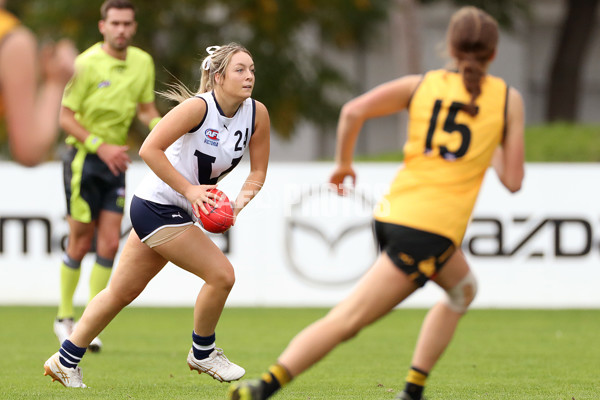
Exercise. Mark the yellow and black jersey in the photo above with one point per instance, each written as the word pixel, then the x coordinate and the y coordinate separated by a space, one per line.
pixel 446 154
pixel 8 22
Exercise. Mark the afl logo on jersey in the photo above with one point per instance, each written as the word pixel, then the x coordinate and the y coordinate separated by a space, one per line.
pixel 211 137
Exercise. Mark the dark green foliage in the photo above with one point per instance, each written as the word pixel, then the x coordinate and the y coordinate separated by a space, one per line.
pixel 293 77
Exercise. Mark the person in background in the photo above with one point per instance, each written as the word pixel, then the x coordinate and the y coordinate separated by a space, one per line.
pixel 112 83
pixel 195 145
pixel 460 120
pixel 31 110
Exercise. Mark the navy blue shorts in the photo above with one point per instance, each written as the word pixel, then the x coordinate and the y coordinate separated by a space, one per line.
pixel 148 217
pixel 419 254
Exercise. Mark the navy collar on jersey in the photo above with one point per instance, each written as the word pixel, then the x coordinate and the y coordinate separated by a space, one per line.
pixel 219 107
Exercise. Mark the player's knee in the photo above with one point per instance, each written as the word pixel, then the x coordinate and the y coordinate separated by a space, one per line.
pixel 224 278
pixel 347 326
pixel 350 332
pixel 78 250
pixel 108 245
pixel 229 280
pixel 79 246
pixel 112 245
pixel 462 294
pixel 125 296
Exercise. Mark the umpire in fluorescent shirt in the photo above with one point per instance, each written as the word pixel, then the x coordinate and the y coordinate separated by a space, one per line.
pixel 113 82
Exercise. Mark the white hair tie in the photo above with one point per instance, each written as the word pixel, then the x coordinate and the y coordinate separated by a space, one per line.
pixel 210 50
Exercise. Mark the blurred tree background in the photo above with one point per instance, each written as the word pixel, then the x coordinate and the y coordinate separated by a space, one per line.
pixel 292 78
pixel 290 41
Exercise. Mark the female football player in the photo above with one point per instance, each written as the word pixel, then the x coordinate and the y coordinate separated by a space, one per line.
pixel 460 120
pixel 197 143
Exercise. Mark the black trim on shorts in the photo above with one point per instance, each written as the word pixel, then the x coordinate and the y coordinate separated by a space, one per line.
pixel 419 254
pixel 147 217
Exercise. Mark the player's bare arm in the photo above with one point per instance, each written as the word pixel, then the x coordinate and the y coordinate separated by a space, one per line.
pixel 259 158
pixel 146 112
pixel 509 159
pixel 180 120
pixel 385 99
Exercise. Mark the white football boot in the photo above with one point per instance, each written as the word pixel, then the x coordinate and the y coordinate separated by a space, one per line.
pixel 96 345
pixel 217 366
pixel 69 377
pixel 63 328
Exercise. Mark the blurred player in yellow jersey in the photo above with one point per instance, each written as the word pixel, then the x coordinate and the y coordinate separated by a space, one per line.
pixel 461 120
pixel 30 110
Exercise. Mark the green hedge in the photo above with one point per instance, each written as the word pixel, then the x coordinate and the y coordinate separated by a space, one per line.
pixel 558 142
pixel 562 142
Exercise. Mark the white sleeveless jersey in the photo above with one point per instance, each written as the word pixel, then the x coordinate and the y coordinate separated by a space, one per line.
pixel 205 154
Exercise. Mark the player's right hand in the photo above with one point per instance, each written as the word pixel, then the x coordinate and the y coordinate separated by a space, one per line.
pixel 115 157
pixel 197 195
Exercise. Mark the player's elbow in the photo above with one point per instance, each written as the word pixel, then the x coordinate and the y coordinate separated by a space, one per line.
pixel 25 153
pixel 514 188
pixel 65 116
pixel 351 112
pixel 149 153
pixel 143 152
pixel 513 184
pixel 511 176
pixel 26 159
pixel 61 122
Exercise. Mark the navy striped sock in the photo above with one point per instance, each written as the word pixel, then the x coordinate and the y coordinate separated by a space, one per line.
pixel 203 345
pixel 70 355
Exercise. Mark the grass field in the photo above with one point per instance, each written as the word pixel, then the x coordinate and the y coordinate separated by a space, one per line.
pixel 497 354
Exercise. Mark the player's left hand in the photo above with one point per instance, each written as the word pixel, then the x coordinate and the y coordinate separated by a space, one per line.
pixel 58 61
pixel 115 157
pixel 339 174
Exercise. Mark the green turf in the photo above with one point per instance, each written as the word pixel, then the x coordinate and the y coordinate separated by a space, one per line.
pixel 497 354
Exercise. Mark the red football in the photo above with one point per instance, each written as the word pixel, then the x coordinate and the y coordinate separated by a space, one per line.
pixel 219 218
